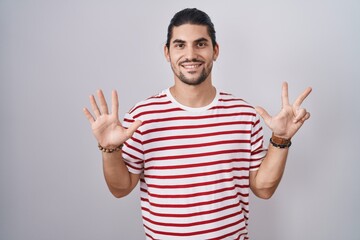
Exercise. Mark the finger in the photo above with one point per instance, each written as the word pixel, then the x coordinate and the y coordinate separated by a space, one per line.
pixel 115 103
pixel 133 127
pixel 302 97
pixel 285 94
pixel 103 104
pixel 94 106
pixel 264 114
pixel 300 114
pixel 88 115
pixel 307 116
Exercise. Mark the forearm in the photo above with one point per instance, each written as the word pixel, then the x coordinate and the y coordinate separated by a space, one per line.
pixel 284 125
pixel 116 174
pixel 267 178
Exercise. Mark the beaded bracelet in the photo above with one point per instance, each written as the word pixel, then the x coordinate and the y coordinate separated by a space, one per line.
pixel 110 150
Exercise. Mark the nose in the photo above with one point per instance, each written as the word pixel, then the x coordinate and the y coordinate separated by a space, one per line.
pixel 191 53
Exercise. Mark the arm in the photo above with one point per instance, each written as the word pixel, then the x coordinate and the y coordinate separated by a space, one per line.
pixel 118 179
pixel 265 180
pixel 110 134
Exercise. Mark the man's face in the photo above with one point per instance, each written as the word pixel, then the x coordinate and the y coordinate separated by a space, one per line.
pixel 191 53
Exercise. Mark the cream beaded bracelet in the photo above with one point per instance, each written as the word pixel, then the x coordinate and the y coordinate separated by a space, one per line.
pixel 110 150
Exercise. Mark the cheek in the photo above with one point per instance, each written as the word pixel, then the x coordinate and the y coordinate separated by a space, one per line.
pixel 177 56
pixel 174 66
pixel 175 60
pixel 210 56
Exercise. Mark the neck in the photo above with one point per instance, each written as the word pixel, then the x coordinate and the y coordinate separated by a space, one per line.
pixel 193 96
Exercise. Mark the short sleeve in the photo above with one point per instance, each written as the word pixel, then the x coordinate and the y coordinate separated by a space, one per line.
pixel 132 150
pixel 258 151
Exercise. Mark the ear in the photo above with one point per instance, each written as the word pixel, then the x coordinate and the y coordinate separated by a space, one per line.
pixel 166 53
pixel 216 52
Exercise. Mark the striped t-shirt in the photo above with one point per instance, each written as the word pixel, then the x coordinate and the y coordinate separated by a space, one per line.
pixel 194 165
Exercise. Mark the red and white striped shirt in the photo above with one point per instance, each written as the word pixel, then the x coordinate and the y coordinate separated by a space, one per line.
pixel 194 165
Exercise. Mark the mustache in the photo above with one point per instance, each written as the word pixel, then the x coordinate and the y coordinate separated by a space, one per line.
pixel 194 60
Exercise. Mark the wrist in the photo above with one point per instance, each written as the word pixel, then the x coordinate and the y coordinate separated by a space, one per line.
pixel 280 142
pixel 110 150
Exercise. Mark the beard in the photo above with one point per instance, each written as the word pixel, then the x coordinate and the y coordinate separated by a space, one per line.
pixel 193 81
pixel 196 81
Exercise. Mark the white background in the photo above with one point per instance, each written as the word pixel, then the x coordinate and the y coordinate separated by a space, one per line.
pixel 54 54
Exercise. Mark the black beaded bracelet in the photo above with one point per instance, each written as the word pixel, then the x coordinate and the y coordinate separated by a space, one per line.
pixel 110 150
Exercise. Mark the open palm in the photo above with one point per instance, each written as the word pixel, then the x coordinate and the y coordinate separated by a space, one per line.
pixel 106 126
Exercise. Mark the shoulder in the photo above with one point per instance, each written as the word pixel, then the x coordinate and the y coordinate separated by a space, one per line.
pixel 229 100
pixel 150 104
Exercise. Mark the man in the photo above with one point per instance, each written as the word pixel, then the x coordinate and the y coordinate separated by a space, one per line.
pixel 196 151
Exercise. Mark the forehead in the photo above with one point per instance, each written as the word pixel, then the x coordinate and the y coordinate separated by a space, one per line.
pixel 190 32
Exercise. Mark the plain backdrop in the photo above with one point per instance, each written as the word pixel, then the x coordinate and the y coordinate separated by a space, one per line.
pixel 54 54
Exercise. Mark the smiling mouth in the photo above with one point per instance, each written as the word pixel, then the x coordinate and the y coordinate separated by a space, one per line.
pixel 191 66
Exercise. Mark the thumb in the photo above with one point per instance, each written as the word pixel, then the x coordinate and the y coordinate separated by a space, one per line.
pixel 264 114
pixel 133 127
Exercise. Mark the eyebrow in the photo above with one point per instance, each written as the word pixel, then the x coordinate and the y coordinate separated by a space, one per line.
pixel 196 41
pixel 178 41
pixel 201 40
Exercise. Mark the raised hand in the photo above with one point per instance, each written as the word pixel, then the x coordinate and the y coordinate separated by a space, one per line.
pixel 106 126
pixel 291 117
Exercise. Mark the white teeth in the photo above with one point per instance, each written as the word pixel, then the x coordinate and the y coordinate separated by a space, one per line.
pixel 191 66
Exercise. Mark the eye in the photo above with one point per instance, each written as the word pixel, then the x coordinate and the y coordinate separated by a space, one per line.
pixel 202 44
pixel 179 45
